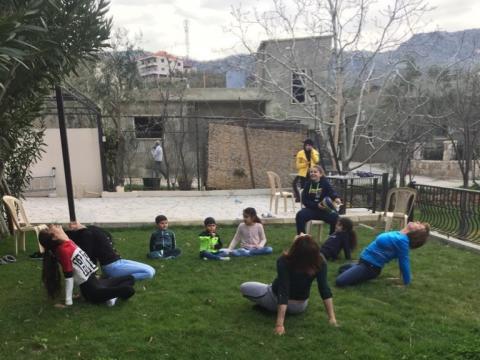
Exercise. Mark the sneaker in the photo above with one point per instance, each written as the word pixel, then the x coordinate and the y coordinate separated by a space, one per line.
pixel 36 256
pixel 111 302
pixel 9 259
pixel 225 258
pixel 205 258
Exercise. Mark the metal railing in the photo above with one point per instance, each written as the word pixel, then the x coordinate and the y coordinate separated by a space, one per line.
pixel 454 212
pixel 41 184
pixel 361 192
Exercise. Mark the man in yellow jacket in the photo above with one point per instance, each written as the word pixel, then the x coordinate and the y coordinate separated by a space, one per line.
pixel 304 160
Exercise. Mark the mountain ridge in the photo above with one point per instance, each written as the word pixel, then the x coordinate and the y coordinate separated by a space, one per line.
pixel 427 49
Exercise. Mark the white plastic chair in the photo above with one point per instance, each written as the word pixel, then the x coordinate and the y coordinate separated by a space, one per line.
pixel 319 224
pixel 276 192
pixel 398 205
pixel 20 222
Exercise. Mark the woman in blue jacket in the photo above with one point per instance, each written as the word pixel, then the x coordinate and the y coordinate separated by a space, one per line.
pixel 314 193
pixel 387 246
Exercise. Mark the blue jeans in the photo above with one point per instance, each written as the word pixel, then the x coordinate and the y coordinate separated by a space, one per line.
pixel 212 255
pixel 305 215
pixel 123 267
pixel 266 250
pixel 357 273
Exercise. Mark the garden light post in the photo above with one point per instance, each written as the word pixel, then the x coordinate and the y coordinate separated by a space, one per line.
pixel 65 155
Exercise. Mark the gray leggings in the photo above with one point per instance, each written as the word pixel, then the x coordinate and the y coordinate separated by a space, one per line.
pixel 262 295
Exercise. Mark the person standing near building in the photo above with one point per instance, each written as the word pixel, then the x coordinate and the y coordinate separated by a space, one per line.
pixel 305 159
pixel 157 153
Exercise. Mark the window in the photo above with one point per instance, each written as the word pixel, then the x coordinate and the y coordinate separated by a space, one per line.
pixel 298 86
pixel 149 127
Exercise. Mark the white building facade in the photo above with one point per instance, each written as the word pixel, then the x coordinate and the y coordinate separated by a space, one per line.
pixel 160 65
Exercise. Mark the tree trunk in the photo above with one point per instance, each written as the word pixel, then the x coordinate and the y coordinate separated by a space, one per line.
pixel 120 156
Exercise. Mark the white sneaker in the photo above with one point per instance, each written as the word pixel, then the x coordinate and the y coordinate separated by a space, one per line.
pixel 225 258
pixel 111 302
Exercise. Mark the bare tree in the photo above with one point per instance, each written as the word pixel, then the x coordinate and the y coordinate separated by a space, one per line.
pixel 358 32
pixel 402 127
pixel 456 104
pixel 178 155
pixel 111 82
pixel 131 151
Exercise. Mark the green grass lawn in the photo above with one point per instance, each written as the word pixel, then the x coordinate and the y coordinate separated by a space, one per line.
pixel 192 309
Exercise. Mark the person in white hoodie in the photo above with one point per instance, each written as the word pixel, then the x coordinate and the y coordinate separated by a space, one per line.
pixel 157 153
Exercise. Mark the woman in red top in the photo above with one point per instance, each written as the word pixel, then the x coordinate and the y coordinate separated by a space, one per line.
pixel 79 269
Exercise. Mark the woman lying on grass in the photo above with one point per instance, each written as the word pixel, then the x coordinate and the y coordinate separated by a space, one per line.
pixel 289 292
pixel 387 246
pixel 77 267
pixel 98 245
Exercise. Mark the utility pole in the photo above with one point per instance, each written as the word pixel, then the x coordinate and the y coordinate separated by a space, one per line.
pixel 338 111
pixel 187 39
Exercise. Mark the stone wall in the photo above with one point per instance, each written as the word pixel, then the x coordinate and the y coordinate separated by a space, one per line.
pixel 228 164
pixel 439 169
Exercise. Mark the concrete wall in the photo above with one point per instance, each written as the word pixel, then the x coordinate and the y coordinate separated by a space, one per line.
pixel 84 160
pixel 228 166
pixel 277 59
pixel 440 169
pixel 196 102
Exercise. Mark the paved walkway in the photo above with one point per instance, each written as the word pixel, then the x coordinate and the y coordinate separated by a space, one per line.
pixel 134 211
pixel 138 208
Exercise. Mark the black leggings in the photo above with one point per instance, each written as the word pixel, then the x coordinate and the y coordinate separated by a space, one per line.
pixel 100 290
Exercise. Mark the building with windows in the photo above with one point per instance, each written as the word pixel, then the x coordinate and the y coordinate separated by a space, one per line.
pixel 292 71
pixel 160 65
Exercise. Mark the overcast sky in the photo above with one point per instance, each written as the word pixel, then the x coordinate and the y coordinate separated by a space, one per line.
pixel 161 23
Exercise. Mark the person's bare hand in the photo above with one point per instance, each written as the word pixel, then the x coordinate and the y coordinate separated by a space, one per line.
pixel 299 235
pixel 75 225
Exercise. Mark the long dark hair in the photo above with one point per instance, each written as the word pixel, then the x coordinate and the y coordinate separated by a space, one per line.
pixel 50 271
pixel 251 212
pixel 304 255
pixel 308 153
pixel 347 226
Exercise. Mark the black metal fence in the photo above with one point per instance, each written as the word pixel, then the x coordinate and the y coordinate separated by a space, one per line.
pixel 361 190
pixel 454 212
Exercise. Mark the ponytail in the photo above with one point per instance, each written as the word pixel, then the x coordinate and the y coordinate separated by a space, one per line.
pixel 50 270
pixel 347 226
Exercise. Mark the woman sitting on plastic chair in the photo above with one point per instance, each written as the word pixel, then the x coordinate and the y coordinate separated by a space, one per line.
pixel 320 201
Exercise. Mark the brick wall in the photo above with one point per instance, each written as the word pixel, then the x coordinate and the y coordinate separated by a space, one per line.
pixel 228 166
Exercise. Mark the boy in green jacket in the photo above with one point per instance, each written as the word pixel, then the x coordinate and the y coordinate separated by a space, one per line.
pixel 210 243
